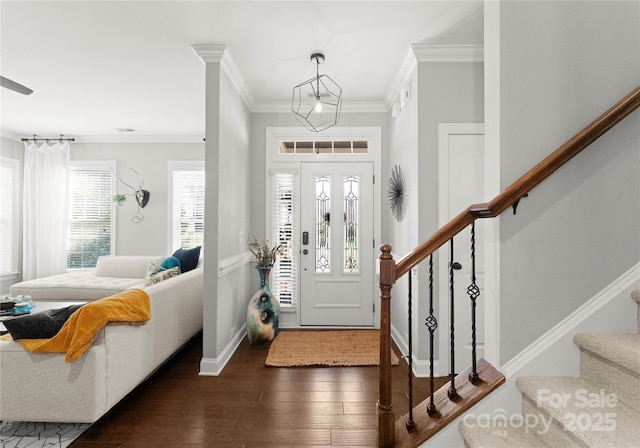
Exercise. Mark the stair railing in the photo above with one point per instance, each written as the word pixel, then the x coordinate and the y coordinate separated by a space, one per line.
pixel 390 271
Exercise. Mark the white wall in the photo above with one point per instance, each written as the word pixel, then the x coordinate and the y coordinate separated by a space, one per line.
pixel 563 64
pixel 150 237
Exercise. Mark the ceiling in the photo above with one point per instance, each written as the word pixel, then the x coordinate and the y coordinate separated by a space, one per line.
pixel 99 66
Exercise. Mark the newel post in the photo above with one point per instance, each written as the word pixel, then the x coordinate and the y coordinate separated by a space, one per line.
pixel 386 418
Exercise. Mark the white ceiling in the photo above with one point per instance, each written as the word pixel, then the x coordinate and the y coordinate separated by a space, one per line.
pixel 96 66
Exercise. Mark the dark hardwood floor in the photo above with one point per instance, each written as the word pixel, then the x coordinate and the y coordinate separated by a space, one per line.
pixel 250 405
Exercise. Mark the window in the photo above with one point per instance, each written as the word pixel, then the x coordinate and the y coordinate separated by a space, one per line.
pixel 284 273
pixel 186 199
pixel 324 147
pixel 91 226
pixel 9 195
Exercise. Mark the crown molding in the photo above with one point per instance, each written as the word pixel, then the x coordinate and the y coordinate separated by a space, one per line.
pixel 402 77
pixel 140 139
pixel 210 54
pixel 448 53
pixel 220 54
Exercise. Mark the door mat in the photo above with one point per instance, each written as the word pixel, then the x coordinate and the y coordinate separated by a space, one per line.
pixel 335 348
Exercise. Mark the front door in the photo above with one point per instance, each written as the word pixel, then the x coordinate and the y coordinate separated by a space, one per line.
pixel 336 260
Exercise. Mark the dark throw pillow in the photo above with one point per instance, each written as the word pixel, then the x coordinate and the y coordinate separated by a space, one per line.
pixel 39 325
pixel 188 258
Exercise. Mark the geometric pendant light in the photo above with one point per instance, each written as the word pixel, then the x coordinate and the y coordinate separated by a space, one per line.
pixel 316 103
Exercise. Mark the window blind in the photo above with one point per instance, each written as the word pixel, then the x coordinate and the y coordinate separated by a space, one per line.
pixel 7 226
pixel 284 273
pixel 188 208
pixel 89 227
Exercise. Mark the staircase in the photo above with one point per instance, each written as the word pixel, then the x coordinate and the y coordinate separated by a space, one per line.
pixel 599 408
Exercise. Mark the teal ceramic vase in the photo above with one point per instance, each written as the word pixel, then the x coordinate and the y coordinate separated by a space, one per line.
pixel 263 311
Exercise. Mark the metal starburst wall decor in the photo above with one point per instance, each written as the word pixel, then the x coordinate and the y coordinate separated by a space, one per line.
pixel 397 193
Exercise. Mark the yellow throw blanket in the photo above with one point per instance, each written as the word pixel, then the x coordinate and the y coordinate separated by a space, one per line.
pixel 80 330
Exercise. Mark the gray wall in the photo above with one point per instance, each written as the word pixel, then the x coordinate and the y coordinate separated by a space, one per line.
pixel 14 150
pixel 440 93
pixel 150 237
pixel 227 210
pixel 403 235
pixel 562 65
pixel 448 93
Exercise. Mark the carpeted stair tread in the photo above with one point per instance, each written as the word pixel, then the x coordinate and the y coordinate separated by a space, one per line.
pixel 622 349
pixel 635 295
pixel 575 404
pixel 497 434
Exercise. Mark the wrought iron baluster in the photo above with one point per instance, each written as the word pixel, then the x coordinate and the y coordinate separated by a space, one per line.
pixel 432 324
pixel 411 425
pixel 474 293
pixel 452 393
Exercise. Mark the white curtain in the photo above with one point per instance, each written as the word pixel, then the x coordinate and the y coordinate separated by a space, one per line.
pixel 46 204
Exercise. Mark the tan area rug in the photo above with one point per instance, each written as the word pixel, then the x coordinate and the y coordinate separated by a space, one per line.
pixel 326 348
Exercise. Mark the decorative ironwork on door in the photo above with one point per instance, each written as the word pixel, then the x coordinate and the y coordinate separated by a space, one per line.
pixel 351 224
pixel 323 214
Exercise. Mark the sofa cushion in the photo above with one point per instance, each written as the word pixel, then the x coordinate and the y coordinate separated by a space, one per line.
pixel 188 258
pixel 156 274
pixel 45 324
pixel 125 266
pixel 75 286
pixel 170 262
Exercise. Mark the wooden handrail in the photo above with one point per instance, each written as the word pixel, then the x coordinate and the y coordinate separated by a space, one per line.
pixel 524 184
pixel 390 271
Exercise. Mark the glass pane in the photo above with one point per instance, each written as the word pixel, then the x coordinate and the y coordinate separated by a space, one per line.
pixel 89 224
pixel 284 272
pixel 351 224
pixel 323 208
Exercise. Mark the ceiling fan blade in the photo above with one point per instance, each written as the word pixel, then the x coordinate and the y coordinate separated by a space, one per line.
pixel 12 85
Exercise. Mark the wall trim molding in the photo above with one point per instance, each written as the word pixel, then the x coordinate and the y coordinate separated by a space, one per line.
pixel 448 53
pixel 572 321
pixel 403 76
pixel 214 366
pixel 230 264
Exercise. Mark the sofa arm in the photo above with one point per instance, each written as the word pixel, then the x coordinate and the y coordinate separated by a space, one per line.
pixel 43 387
pixel 125 266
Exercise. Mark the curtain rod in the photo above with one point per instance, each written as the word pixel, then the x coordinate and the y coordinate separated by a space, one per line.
pixel 60 139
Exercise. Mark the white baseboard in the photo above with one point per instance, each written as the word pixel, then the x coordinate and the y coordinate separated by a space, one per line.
pixel 214 366
pixel 421 367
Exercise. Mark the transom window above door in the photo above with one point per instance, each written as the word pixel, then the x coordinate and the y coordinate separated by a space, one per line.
pixel 324 147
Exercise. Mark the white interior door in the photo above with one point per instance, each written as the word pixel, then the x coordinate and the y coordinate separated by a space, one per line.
pixel 464 187
pixel 336 260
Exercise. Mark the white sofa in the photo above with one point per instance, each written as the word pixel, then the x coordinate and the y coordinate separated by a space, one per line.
pixel 43 387
pixel 111 275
